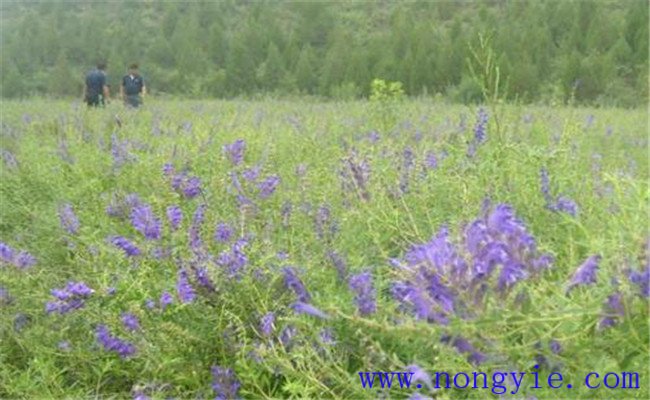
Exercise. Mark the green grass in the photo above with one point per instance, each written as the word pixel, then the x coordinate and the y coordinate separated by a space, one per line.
pixel 605 174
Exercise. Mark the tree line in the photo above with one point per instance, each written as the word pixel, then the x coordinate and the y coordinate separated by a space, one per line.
pixel 593 52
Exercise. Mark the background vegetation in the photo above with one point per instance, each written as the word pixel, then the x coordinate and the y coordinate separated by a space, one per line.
pixel 592 52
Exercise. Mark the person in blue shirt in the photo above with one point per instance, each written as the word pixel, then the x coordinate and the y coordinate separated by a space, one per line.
pixel 96 92
pixel 133 88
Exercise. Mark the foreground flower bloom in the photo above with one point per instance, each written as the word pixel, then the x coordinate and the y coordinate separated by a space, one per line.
pixel 267 186
pixel 293 283
pixel 71 297
pixel 174 216
pixel 224 383
pixel 586 273
pixel 125 245
pixel 184 290
pixel 112 343
pixel 266 323
pixel 305 308
pixel 613 311
pixel 130 322
pixel 145 222
pixel 223 233
pixel 361 284
pixel 69 220
pixel 641 280
pixel 235 151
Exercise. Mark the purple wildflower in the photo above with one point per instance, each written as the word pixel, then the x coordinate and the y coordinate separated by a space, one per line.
pixel 305 308
pixel 477 358
pixel 192 187
pixel 430 161
pixel 419 375
pixel 165 300
pixel 613 311
pixel 112 343
pixel 195 229
pixel 251 174
pixel 223 233
pixel 555 346
pixel 546 187
pixel 480 129
pixel 566 205
pixel 327 337
pixel 70 298
pixel 125 245
pixel 355 176
pixel 24 260
pixel 69 220
pixel 642 280
pixel 6 253
pixel 130 322
pixel 9 159
pixel 339 264
pixel 203 279
pixel 586 273
pixel 224 383
pixel 235 151
pixel 168 169
pixel 175 216
pixel 293 282
pixel 150 304
pixel 361 284
pixel 287 335
pixel 267 186
pixel 266 323
pixel 184 290
pixel 5 297
pixel 145 222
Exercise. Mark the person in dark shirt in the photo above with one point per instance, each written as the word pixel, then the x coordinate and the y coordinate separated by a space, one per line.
pixel 96 92
pixel 133 88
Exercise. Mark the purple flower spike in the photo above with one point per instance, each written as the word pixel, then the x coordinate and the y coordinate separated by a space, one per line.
pixel 192 187
pixel 266 323
pixel 130 322
pixel 165 300
pixel 224 383
pixel 361 284
pixel 305 308
pixel 566 205
pixel 24 260
pixel 419 375
pixel 6 253
pixel 125 245
pixel 112 343
pixel 184 290
pixel 586 273
pixel 613 311
pixel 68 299
pixel 223 233
pixel 267 186
pixel 69 220
pixel 293 282
pixel 641 280
pixel 174 216
pixel 145 222
pixel 235 151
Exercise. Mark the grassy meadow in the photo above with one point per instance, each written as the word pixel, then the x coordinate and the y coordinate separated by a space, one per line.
pixel 318 240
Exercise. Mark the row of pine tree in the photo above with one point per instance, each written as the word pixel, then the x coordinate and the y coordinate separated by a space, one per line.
pixel 592 52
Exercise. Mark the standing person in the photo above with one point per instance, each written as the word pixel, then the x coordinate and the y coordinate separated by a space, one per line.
pixel 96 92
pixel 133 89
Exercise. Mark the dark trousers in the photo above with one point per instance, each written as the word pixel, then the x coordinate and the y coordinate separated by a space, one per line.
pixel 133 100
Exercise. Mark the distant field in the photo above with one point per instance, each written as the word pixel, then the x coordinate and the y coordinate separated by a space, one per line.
pixel 299 243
